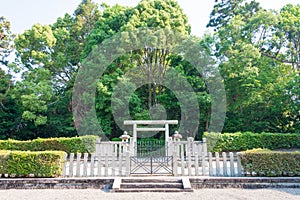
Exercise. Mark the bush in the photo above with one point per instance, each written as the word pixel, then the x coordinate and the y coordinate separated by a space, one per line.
pixel 27 164
pixel 3 158
pixel 82 144
pixel 116 139
pixel 270 163
pixel 248 140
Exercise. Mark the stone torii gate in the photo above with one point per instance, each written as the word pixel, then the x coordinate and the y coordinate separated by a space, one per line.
pixel 137 129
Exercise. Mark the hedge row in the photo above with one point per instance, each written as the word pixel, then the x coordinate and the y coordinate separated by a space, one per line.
pixel 270 163
pixel 243 141
pixel 82 144
pixel 28 164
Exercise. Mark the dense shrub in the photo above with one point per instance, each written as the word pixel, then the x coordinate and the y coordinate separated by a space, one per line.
pixel 37 164
pixel 116 139
pixel 82 144
pixel 248 140
pixel 3 158
pixel 270 163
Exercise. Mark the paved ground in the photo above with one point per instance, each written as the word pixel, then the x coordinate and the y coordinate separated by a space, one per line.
pixel 204 194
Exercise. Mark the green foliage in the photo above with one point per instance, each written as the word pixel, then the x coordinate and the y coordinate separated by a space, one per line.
pixel 116 139
pixel 6 41
pixel 158 13
pixel 256 70
pixel 9 108
pixel 26 163
pixel 225 10
pixel 82 144
pixel 51 56
pixel 260 162
pixel 256 50
pixel 248 140
pixel 285 36
pixel 3 159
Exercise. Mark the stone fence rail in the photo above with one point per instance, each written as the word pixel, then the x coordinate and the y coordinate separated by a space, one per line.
pixel 93 165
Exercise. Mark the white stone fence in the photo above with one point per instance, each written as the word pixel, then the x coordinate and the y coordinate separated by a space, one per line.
pixel 188 158
pixel 181 148
pixel 215 164
pixel 185 148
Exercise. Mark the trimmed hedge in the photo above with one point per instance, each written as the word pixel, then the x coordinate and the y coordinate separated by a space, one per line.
pixel 248 140
pixel 270 163
pixel 82 144
pixel 28 164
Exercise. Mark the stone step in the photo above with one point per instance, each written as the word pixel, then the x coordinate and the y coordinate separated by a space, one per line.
pixel 151 180
pixel 153 190
pixel 152 185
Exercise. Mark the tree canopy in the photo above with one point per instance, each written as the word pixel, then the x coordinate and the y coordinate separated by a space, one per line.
pixel 256 51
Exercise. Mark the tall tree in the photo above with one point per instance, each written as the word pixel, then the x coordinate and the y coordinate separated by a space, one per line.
pixel 50 56
pixel 225 10
pixel 10 110
pixel 159 14
pixel 6 40
pixel 280 39
pixel 254 77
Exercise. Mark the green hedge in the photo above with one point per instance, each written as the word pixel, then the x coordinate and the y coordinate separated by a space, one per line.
pixel 270 163
pixel 82 144
pixel 248 140
pixel 28 164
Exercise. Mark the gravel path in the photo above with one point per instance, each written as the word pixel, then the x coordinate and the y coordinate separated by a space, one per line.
pixel 203 194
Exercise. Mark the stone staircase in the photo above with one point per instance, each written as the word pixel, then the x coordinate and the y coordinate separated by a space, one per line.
pixel 145 184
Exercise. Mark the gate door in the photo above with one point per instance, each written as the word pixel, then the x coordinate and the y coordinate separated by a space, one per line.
pixel 151 158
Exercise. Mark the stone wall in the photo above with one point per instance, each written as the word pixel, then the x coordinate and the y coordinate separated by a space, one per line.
pixel 245 182
pixel 57 183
